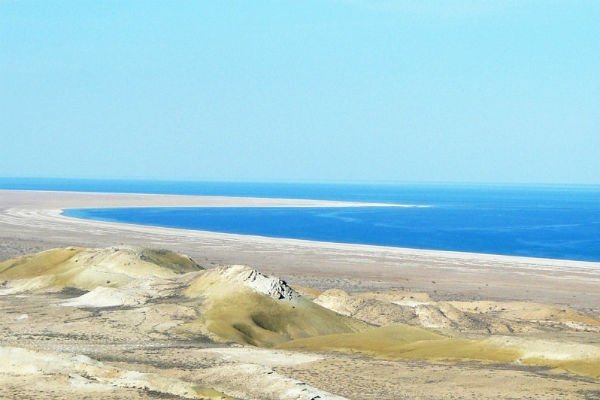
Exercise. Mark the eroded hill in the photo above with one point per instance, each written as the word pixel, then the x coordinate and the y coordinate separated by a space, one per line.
pixel 129 322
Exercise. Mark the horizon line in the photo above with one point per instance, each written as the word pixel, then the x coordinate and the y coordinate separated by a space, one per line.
pixel 299 181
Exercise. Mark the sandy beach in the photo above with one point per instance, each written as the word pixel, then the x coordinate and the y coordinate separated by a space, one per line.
pixel 32 221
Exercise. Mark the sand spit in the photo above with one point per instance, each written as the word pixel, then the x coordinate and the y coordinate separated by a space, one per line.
pixel 64 199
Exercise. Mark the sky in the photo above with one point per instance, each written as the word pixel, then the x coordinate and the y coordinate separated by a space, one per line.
pixel 302 90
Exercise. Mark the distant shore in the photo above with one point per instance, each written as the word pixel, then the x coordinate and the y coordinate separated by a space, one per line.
pixel 32 220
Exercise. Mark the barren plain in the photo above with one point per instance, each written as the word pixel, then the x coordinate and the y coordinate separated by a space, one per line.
pixel 96 309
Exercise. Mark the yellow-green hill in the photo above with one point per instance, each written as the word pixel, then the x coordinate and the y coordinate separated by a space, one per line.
pixel 86 268
pixel 245 306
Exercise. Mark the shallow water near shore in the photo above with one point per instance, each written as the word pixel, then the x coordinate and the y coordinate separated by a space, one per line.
pixel 560 222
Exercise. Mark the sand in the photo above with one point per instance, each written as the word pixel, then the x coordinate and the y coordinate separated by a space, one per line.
pixel 409 324
pixel 172 329
pixel 32 221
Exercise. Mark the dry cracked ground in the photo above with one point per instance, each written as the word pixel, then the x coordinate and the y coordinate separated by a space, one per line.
pixel 128 323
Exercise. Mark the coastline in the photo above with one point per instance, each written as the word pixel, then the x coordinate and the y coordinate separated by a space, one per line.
pixel 33 219
pixel 132 200
pixel 449 254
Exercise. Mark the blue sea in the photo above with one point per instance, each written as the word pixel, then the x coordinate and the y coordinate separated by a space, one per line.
pixel 537 221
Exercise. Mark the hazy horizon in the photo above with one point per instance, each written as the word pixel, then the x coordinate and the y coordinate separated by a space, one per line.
pixel 42 179
pixel 336 91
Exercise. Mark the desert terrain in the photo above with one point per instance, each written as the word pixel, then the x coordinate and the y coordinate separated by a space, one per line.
pixel 105 310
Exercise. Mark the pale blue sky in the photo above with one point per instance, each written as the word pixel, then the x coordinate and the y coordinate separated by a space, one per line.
pixel 329 90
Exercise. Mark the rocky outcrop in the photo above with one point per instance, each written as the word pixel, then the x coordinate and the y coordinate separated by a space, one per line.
pixel 261 283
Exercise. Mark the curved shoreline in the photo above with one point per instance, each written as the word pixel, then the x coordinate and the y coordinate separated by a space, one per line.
pixel 35 218
pixel 451 254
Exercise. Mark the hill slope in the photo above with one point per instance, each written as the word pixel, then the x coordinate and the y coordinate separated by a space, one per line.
pixel 245 306
pixel 87 269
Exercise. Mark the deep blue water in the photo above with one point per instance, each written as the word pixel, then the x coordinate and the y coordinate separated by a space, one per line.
pixel 537 221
